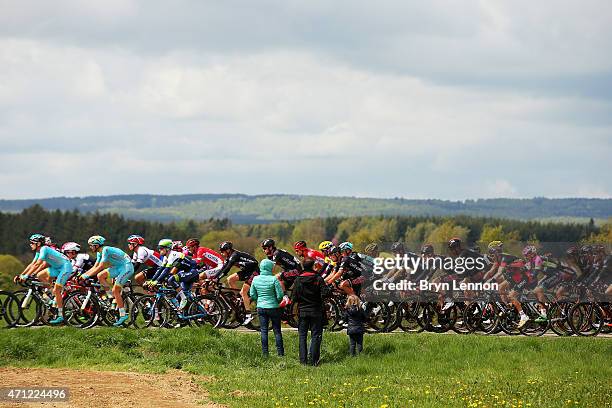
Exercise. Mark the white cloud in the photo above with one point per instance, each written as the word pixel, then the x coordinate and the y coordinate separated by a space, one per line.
pixel 106 104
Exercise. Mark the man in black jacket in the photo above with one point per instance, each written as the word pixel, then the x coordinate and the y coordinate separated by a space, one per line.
pixel 308 291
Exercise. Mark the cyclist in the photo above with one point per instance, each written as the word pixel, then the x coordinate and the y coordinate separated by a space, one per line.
pixel 515 279
pixel 455 251
pixel 473 271
pixel 372 250
pixel 208 260
pixel 249 268
pixel 80 262
pixel 396 274
pixel 553 274
pixel 178 246
pixel 429 265
pixel 111 263
pixel 178 270
pixel 51 243
pixel 143 258
pixel 289 264
pixel 603 265
pixel 350 269
pixel 330 264
pixel 49 264
pixel 307 254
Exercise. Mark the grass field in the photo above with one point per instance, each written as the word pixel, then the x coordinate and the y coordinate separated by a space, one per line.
pixel 394 370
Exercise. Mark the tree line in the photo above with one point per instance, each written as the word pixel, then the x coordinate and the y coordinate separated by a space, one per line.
pixel 76 226
pixel 62 226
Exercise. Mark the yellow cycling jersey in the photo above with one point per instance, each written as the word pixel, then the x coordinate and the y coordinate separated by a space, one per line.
pixel 329 261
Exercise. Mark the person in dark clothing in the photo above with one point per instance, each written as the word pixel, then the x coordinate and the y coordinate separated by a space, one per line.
pixel 356 317
pixel 308 291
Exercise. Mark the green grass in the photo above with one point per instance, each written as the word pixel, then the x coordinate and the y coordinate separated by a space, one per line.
pixel 394 370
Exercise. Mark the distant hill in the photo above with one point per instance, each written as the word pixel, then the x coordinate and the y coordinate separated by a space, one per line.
pixel 248 209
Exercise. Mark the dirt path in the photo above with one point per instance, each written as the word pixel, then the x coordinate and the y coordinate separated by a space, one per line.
pixel 109 388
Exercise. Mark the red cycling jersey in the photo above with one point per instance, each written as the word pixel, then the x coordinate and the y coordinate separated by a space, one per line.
pixel 207 257
pixel 316 256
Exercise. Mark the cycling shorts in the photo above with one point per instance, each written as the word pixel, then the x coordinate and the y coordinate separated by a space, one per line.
pixel 122 273
pixel 61 275
pixel 247 276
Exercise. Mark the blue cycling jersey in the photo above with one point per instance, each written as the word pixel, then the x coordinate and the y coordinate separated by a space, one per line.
pixel 113 256
pixel 54 258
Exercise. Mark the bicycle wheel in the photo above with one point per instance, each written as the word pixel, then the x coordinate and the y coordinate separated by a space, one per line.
pixel 291 315
pixel 10 310
pixel 332 315
pixel 410 317
pixel 586 319
pixel 80 310
pixel 145 313
pixel 205 310
pixel 378 316
pixel 532 327
pixel 438 321
pixel 481 317
pixel 509 319
pixel 558 315
pixel 31 307
pixel 109 311
pixel 232 311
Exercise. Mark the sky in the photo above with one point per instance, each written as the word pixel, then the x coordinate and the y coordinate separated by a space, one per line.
pixel 436 99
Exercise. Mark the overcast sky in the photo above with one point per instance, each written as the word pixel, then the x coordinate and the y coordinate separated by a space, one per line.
pixel 432 99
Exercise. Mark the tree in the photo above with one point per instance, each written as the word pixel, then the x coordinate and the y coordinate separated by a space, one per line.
pixel 510 239
pixel 440 236
pixel 605 234
pixel 311 231
pixel 9 267
pixel 416 236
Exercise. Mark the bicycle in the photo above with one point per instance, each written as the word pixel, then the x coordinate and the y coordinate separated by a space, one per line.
pixel 162 310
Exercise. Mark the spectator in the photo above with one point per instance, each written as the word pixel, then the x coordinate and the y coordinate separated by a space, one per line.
pixel 267 291
pixel 308 292
pixel 355 316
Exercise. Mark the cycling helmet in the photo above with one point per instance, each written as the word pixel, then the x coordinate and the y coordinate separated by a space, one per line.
pixel 136 239
pixel 165 243
pixel 177 246
pixel 37 238
pixel 225 246
pixel 454 243
pixel 530 250
pixel 397 247
pixel 49 241
pixel 96 240
pixel 268 243
pixel 192 242
pixel 333 250
pixel 427 249
pixel 371 249
pixel 346 246
pixel 495 246
pixel 586 249
pixel 325 245
pixel 71 246
pixel 299 245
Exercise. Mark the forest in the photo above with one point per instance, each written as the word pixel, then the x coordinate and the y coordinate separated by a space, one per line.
pixel 249 209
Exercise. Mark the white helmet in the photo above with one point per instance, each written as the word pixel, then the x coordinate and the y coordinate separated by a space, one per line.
pixel 71 246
